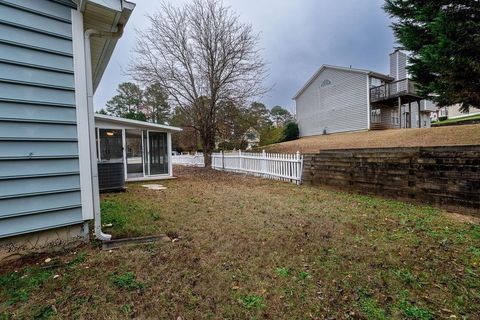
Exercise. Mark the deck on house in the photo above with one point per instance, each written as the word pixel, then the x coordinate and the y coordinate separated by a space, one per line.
pixel 391 94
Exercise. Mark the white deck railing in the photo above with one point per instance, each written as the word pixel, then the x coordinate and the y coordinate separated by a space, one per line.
pixel 284 167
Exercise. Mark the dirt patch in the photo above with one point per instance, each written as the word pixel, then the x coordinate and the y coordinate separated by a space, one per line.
pixel 463 217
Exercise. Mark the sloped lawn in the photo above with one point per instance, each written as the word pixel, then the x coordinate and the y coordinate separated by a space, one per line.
pixel 257 249
pixel 395 138
pixel 458 120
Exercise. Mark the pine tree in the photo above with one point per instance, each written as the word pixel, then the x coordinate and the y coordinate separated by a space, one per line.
pixel 443 38
pixel 156 103
pixel 127 102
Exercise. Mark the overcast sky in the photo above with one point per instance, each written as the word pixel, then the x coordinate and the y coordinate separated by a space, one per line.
pixel 297 37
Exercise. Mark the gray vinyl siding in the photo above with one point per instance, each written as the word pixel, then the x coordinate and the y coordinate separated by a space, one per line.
pixel 394 65
pixel 336 101
pixel 39 165
pixel 30 57
pixel 37 76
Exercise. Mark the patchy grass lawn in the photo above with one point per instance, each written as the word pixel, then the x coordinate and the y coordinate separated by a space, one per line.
pixel 457 120
pixel 257 249
pixel 426 137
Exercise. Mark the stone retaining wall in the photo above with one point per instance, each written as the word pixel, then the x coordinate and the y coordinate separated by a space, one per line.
pixel 442 176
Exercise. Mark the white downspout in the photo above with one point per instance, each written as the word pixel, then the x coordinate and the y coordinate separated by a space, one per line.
pixel 91 125
pixel 369 107
pixel 169 150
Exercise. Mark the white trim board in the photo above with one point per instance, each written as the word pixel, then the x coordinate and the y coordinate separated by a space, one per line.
pixel 82 115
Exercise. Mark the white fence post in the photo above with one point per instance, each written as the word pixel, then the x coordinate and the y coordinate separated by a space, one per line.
pixel 240 168
pixel 264 163
pixel 299 168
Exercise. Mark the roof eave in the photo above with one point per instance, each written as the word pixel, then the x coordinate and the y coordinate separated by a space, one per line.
pixel 137 123
pixel 325 66
pixel 381 76
pixel 309 82
pixel 121 17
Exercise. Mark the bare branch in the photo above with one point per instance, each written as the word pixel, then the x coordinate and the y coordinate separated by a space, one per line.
pixel 202 55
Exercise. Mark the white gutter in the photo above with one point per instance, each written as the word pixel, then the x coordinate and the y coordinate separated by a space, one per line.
pixel 91 125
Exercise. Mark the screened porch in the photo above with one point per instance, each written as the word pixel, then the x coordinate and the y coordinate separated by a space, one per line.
pixel 133 150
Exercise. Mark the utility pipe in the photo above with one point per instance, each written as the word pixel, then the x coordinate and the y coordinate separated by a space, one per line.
pixel 99 234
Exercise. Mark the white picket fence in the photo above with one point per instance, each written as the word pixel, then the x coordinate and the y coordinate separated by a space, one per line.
pixel 284 167
pixel 194 160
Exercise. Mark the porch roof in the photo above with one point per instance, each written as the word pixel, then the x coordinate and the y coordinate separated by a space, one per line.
pixel 128 123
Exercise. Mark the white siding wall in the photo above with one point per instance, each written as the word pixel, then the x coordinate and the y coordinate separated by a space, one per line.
pixel 337 107
pixel 398 65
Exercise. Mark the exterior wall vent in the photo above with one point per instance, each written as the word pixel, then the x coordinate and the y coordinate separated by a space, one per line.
pixel 325 83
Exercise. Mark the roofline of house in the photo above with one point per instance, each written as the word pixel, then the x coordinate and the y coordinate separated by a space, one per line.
pixel 110 4
pixel 326 66
pixel 136 123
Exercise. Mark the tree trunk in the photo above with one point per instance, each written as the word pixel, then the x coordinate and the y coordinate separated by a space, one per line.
pixel 207 156
pixel 208 141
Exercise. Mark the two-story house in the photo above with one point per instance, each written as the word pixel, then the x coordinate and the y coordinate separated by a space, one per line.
pixel 339 99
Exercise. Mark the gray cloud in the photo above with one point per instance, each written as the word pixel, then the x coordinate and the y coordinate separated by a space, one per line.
pixel 297 37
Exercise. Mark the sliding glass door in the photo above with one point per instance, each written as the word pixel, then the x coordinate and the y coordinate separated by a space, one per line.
pixel 134 153
pixel 158 153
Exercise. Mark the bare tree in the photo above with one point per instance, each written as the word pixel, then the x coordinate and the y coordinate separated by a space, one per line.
pixel 202 55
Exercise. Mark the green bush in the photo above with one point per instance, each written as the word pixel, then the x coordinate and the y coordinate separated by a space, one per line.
pixel 270 136
pixel 290 132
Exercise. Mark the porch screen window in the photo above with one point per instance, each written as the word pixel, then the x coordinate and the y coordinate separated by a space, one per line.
pixel 111 146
